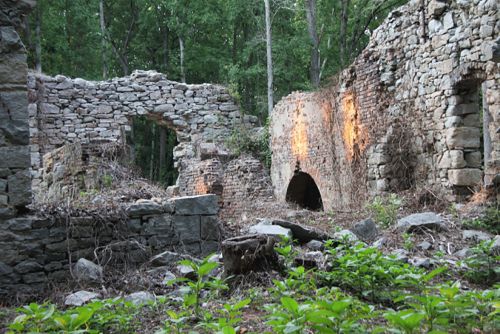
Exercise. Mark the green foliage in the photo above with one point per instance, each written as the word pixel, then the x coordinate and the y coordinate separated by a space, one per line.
pixel 490 222
pixel 241 141
pixel 96 317
pixel 483 264
pixel 385 209
pixel 408 243
pixel 203 281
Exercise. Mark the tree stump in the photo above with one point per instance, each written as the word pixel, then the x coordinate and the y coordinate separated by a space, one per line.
pixel 254 252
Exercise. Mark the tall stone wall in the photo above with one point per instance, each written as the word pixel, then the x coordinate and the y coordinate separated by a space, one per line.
pixel 15 182
pixel 406 112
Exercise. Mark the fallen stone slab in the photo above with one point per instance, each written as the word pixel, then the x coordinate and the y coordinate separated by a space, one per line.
pixel 315 245
pixel 195 205
pixel 301 233
pixel 144 207
pixel 310 260
pixel 418 221
pixel 365 230
pixel 80 297
pixel 265 227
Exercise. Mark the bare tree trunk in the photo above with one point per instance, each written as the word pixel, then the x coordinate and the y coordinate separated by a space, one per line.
pixel 269 59
pixel 181 48
pixel 38 37
pixel 343 31
pixel 163 147
pixel 313 34
pixel 103 40
pixel 152 155
pixel 165 49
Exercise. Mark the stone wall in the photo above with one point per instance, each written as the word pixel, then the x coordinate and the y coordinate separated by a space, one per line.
pixel 405 113
pixel 15 182
pixel 64 110
pixel 37 250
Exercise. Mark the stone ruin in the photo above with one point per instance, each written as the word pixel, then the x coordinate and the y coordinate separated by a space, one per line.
pixel 407 113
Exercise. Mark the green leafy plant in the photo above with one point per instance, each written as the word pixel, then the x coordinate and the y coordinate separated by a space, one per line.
pixel 484 266
pixel 408 243
pixel 408 321
pixel 385 209
pixel 488 222
pixel 193 288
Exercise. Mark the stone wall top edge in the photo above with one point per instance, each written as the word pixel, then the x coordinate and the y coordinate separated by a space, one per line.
pixel 151 76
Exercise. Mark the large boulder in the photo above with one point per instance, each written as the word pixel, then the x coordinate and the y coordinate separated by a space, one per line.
pixel 301 233
pixel 366 230
pixel 196 205
pixel 418 221
pixel 87 271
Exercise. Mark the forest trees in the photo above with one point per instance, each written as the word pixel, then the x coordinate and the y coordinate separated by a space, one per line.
pixel 219 41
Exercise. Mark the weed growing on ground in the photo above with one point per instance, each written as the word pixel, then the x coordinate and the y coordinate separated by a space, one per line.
pixel 385 209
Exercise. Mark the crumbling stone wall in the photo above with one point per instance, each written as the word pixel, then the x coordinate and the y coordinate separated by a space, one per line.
pixel 15 184
pixel 38 250
pixel 405 113
pixel 65 110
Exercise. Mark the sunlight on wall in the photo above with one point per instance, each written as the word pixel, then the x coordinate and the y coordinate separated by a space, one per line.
pixel 200 187
pixel 300 141
pixel 355 139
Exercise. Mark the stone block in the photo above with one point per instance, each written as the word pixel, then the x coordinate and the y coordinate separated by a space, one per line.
pixel 14 106
pixel 20 188
pixel 28 267
pixel 463 137
pixel 13 68
pixel 465 177
pixel 19 224
pixel 462 109
pixel 36 277
pixel 210 229
pixel 196 205
pixel 187 228
pixel 15 157
pixel 144 207
pixel 473 159
pixel 452 159
pixel 16 132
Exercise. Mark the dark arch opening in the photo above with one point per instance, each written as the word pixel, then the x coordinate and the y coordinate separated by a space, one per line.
pixel 304 192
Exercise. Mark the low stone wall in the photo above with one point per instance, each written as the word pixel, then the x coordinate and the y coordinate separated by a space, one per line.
pixel 35 250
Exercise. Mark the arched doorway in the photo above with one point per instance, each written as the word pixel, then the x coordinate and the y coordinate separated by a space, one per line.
pixel 304 192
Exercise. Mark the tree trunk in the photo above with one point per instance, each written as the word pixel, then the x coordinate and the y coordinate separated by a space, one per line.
pixel 181 48
pixel 152 155
pixel 165 50
pixel 249 253
pixel 343 31
pixel 270 101
pixel 38 36
pixel 163 154
pixel 103 40
pixel 313 34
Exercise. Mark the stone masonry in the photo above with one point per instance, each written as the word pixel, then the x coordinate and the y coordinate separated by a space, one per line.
pixel 37 250
pixel 411 110
pixel 15 184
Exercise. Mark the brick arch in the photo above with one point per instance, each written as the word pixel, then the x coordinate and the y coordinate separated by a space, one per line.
pixel 303 190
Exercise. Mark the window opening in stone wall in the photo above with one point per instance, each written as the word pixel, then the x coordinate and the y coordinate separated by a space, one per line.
pixel 304 192
pixel 152 150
